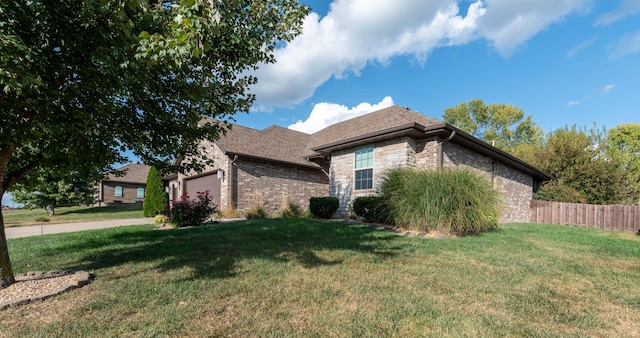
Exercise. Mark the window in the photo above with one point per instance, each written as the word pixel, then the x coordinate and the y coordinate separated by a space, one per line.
pixel 364 168
pixel 140 193
pixel 118 191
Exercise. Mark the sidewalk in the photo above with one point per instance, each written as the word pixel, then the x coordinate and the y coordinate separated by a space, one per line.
pixel 46 229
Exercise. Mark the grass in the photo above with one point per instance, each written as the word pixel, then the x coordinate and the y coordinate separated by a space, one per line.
pixel 305 277
pixel 23 217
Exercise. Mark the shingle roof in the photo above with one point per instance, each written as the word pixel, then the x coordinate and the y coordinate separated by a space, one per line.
pixel 387 118
pixel 134 173
pixel 273 143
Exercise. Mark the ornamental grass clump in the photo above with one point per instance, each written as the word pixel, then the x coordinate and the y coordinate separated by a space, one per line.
pixel 192 212
pixel 454 201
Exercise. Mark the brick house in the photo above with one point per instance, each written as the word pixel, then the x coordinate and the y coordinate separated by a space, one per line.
pixel 347 160
pixel 127 189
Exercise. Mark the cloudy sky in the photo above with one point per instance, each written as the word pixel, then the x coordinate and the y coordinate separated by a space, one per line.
pixel 564 62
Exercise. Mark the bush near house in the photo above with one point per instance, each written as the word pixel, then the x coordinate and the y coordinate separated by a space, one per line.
pixel 192 212
pixel 371 209
pixel 323 207
pixel 155 201
pixel 455 201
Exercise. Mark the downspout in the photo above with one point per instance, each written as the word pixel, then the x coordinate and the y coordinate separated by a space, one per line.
pixel 441 150
pixel 232 187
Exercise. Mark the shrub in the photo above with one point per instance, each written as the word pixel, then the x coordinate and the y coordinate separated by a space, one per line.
pixel 371 209
pixel 559 192
pixel 160 219
pixel 292 210
pixel 228 212
pixel 256 211
pixel 323 207
pixel 43 219
pixel 454 201
pixel 155 200
pixel 186 212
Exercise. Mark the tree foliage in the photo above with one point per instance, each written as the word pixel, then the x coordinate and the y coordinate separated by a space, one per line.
pixel 155 200
pixel 502 125
pixel 83 80
pixel 624 142
pixel 579 158
pixel 50 191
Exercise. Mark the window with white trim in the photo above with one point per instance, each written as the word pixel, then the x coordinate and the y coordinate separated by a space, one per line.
pixel 140 193
pixel 364 168
pixel 118 191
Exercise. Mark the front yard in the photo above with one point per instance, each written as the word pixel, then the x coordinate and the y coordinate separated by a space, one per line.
pixel 303 277
pixel 22 217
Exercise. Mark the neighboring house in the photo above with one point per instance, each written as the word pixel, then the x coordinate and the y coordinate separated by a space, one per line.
pixel 6 207
pixel 348 159
pixel 127 189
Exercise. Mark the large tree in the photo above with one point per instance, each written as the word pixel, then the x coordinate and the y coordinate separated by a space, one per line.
pixel 502 125
pixel 579 159
pixel 624 141
pixel 83 80
pixel 46 190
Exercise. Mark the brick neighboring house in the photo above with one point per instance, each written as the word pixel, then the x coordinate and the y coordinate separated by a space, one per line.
pixel 124 190
pixel 347 160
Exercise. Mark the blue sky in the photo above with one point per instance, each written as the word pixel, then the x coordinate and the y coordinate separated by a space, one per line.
pixel 564 62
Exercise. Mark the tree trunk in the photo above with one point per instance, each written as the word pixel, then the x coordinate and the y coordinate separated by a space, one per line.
pixel 6 273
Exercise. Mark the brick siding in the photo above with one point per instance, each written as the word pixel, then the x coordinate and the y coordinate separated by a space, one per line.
pixel 129 193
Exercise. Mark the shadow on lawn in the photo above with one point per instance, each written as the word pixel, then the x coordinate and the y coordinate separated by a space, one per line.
pixel 213 251
pixel 112 209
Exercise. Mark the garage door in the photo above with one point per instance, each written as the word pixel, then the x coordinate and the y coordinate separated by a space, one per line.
pixel 203 183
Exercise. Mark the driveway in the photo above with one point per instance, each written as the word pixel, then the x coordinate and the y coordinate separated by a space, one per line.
pixel 46 229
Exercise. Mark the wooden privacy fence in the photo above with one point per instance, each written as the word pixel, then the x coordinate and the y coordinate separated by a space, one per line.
pixel 607 217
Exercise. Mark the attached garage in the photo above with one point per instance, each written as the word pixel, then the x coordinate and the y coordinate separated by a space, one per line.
pixel 207 182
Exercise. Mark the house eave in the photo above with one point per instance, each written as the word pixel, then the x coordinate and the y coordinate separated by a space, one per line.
pixel 311 165
pixel 414 130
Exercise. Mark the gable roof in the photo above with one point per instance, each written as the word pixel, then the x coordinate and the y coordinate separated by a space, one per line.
pixel 273 144
pixel 134 173
pixel 368 125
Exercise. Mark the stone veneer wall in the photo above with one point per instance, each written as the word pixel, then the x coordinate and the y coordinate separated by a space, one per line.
pixel 516 187
pixel 276 184
pixel 386 155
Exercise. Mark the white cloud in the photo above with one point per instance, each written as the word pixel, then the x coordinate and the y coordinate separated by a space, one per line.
pixel 325 114
pixel 626 8
pixel 355 33
pixel 582 45
pixel 604 89
pixel 573 103
pixel 627 44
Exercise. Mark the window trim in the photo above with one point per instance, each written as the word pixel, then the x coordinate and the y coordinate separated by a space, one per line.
pixel 138 195
pixel 115 192
pixel 357 169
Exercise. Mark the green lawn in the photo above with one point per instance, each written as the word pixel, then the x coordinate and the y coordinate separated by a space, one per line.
pixel 302 277
pixel 22 217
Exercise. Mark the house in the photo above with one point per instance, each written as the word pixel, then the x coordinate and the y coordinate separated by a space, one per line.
pixel 347 160
pixel 126 189
pixel 6 207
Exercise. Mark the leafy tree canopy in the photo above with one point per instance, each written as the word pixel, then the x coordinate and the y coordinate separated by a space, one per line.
pixel 83 80
pixel 504 126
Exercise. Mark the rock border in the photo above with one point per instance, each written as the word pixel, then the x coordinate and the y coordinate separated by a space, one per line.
pixel 82 278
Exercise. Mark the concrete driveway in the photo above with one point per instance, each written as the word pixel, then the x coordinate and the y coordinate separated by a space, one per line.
pixel 46 229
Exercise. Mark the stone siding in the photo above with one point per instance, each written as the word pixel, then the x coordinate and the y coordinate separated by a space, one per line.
pixel 515 186
pixel 426 153
pixel 386 155
pixel 275 184
pixel 129 193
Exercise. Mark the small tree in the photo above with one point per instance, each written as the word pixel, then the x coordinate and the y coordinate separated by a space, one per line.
pixel 155 200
